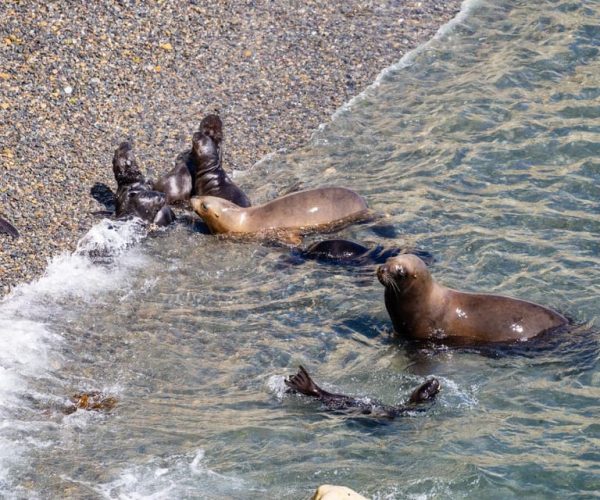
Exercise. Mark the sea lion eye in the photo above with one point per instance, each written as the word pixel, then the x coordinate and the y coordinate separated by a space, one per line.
pixel 203 206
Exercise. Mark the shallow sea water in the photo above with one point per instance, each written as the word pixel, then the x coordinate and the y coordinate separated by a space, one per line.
pixel 481 147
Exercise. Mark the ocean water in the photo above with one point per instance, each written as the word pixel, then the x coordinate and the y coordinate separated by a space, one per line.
pixel 481 147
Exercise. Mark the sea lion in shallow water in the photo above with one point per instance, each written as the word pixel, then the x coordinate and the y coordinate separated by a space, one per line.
pixel 302 210
pixel 304 384
pixel 7 228
pixel 135 195
pixel 421 308
pixel 347 252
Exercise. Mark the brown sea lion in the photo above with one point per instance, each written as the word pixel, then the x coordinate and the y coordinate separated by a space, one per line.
pixel 135 195
pixel 420 308
pixel 302 383
pixel 7 228
pixel 302 210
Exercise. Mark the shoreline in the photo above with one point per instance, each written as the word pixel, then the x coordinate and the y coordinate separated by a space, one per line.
pixel 74 83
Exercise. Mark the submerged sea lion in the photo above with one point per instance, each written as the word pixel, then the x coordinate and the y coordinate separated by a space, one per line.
pixel 423 309
pixel 135 195
pixel 7 228
pixel 302 383
pixel 338 251
pixel 178 183
pixel 301 210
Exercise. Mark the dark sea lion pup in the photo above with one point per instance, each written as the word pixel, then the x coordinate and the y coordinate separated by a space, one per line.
pixel 338 251
pixel 420 308
pixel 211 179
pixel 302 383
pixel 135 195
pixel 178 183
pixel 7 228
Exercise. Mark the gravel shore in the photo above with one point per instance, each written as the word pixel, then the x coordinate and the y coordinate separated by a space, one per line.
pixel 76 78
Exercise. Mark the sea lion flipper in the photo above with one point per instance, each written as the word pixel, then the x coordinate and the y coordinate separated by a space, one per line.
pixel 7 228
pixel 426 392
pixel 302 383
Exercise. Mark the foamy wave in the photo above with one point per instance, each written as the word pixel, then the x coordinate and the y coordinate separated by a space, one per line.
pixel 169 477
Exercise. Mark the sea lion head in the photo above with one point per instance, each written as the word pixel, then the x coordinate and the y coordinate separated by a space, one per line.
pixel 212 126
pixel 425 392
pixel 125 166
pixel 404 272
pixel 219 214
pixel 203 146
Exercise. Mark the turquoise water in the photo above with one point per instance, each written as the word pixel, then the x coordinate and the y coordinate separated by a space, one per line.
pixel 482 148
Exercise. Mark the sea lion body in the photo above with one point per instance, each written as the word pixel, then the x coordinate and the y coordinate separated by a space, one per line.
pixel 135 195
pixel 210 178
pixel 178 183
pixel 299 210
pixel 339 251
pixel 303 384
pixel 421 308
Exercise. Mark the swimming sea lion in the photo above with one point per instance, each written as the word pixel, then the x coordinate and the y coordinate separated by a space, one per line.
pixel 302 383
pixel 301 210
pixel 338 251
pixel 423 309
pixel 211 179
pixel 7 228
pixel 135 195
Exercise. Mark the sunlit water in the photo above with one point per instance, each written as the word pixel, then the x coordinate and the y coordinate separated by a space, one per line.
pixel 482 147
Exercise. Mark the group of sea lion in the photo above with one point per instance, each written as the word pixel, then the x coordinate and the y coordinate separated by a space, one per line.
pixel 419 307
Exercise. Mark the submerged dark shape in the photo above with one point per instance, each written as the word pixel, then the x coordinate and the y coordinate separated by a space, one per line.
pixel 340 251
pixel 303 383
pixel 135 195
pixel 7 228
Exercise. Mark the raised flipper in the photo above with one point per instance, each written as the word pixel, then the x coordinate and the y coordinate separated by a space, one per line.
pixel 302 383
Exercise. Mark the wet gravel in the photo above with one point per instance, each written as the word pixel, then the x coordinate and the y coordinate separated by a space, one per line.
pixel 76 78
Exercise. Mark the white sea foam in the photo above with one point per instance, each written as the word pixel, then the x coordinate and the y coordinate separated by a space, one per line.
pixel 170 477
pixel 30 340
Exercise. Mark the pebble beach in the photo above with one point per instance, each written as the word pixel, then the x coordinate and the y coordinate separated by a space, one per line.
pixel 76 79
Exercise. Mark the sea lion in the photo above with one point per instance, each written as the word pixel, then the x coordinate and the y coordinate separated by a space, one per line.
pixel 211 179
pixel 339 251
pixel 178 183
pixel 302 383
pixel 302 210
pixel 420 308
pixel 7 228
pixel 135 195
